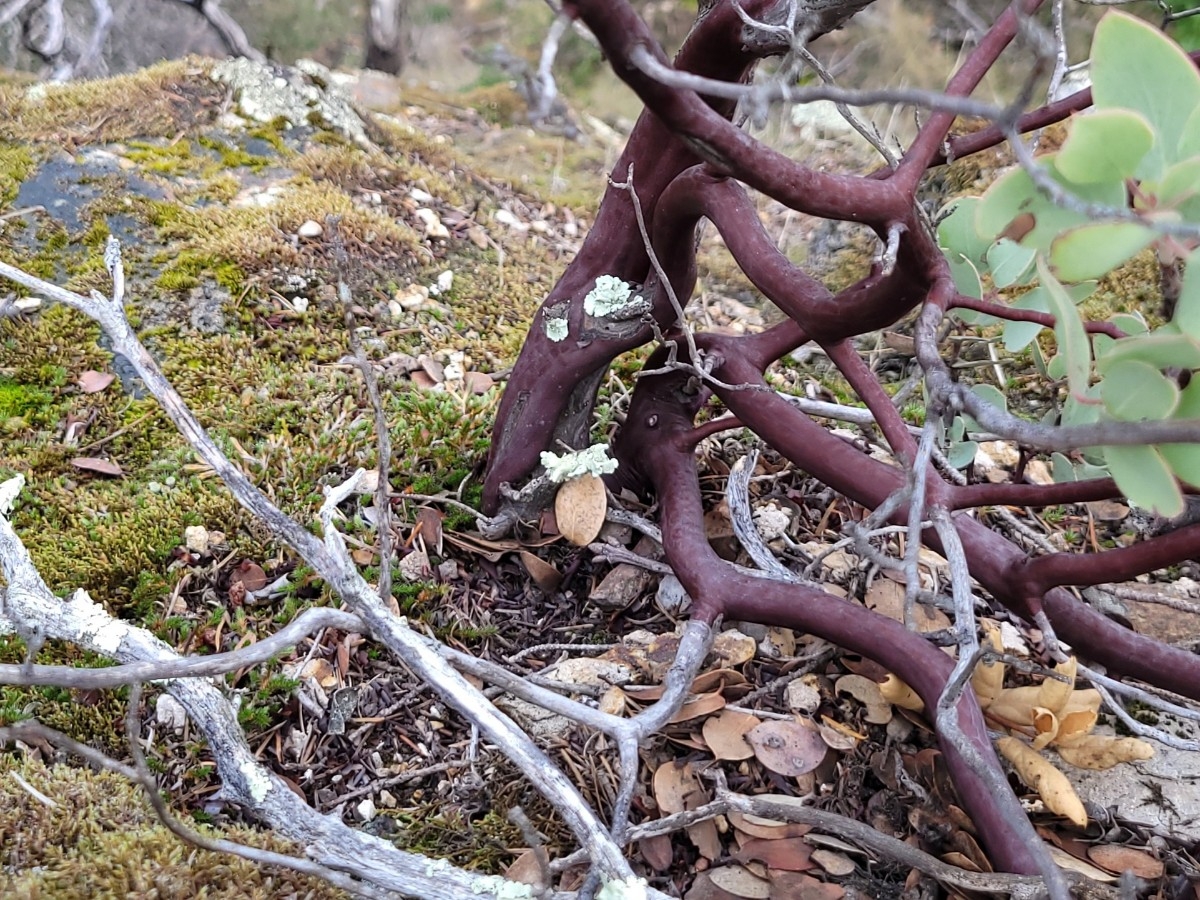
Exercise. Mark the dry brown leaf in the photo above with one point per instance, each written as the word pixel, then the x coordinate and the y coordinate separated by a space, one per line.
pixel 788 854
pixel 362 556
pixel 429 526
pixel 833 862
pixel 886 597
pixel 798 886
pixel 703 889
pixel 717 680
pixel 479 382
pixel 579 507
pixel 249 575
pixel 896 692
pixel 1100 751
pixel 657 851
pixel 97 465
pixel 731 648
pixel 787 746
pixel 613 701
pixel 769 829
pixel 672 785
pixel 526 869
pixel 704 835
pixel 741 882
pixel 1054 694
pixel 544 575
pixel 1036 772
pixel 320 670
pixel 1116 858
pixel 1073 864
pixel 866 692
pixel 725 734
pixel 93 382
pixel 838 736
pixel 698 705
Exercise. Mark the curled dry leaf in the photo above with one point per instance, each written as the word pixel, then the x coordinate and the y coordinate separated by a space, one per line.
pixel 988 678
pixel 97 465
pixel 1054 694
pixel 1100 751
pixel 787 746
pixel 93 382
pixel 896 692
pixel 839 736
pixel 866 692
pixel 1037 773
pixel 725 734
pixel 579 507
pixel 657 851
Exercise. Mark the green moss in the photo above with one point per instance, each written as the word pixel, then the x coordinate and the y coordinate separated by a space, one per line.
pixel 16 164
pixel 102 839
pixel 154 102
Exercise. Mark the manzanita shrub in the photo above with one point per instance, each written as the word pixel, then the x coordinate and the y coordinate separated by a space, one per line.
pixel 1024 255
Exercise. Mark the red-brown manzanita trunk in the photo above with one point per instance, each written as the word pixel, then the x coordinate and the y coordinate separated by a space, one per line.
pixel 690 163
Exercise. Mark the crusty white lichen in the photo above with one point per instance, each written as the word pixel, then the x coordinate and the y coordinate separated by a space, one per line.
pixel 771 521
pixel 96 626
pixel 257 782
pixel 9 491
pixel 611 297
pixel 594 460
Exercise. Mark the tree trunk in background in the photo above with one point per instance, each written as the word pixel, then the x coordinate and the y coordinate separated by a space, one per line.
pixel 387 35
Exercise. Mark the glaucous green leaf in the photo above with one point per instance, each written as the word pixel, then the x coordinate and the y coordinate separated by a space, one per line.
pixel 1189 139
pixel 1083 410
pixel 1135 391
pixel 1073 344
pixel 1105 145
pixel 1187 310
pixel 1178 189
pixel 1136 66
pixel 1131 323
pixel 961 454
pixel 1014 207
pixel 1061 468
pixel 1184 460
pixel 1092 251
pixel 1161 349
pixel 1145 478
pixel 1009 262
pixel 1018 335
pixel 957 233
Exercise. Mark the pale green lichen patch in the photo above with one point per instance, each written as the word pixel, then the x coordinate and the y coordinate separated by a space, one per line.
pixel 592 461
pixel 610 296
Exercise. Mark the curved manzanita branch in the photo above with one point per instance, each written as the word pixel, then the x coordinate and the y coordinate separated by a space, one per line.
pixel 658 433
pixel 551 391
